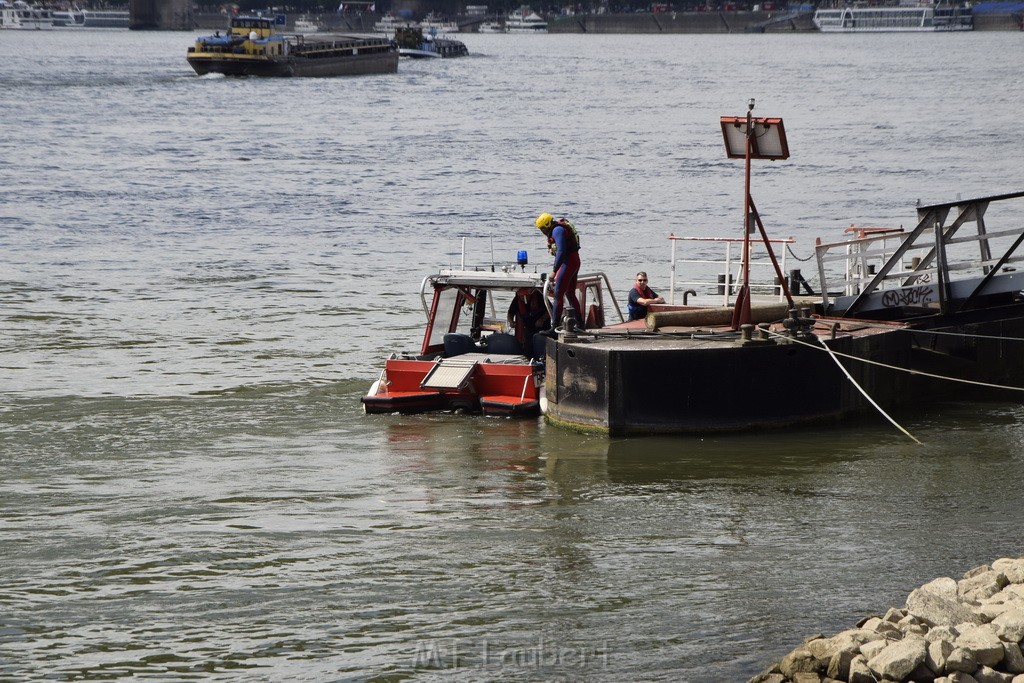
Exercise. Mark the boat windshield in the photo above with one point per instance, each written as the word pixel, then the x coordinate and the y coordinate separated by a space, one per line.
pixel 472 311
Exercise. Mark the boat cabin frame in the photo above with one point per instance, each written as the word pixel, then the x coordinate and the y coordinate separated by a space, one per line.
pixel 470 302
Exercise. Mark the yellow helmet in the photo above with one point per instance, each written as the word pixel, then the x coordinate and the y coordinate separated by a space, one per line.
pixel 544 221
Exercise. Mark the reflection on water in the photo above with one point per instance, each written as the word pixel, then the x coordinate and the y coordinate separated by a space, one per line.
pixel 195 293
pixel 356 540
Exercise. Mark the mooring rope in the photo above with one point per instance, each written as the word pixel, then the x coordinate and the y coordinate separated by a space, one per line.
pixel 922 373
pixel 864 393
pixel 878 326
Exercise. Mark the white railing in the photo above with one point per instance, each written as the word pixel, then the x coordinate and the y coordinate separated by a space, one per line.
pixel 859 258
pixel 728 270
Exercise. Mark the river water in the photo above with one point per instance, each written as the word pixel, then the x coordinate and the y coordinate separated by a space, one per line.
pixel 200 276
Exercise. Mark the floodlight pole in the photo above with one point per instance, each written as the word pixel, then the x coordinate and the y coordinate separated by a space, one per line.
pixel 741 312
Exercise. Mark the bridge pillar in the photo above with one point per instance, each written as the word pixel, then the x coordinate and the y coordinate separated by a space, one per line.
pixel 160 15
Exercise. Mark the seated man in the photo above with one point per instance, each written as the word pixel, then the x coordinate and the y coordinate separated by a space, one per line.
pixel 527 315
pixel 640 297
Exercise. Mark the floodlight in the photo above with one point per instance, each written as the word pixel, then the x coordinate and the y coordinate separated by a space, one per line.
pixel 767 142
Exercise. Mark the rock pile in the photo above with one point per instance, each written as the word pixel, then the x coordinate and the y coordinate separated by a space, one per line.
pixel 966 631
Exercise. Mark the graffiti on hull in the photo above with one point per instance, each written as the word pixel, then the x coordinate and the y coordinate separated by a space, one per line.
pixel 909 296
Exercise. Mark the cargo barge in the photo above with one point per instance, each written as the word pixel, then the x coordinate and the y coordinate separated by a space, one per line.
pixel 253 47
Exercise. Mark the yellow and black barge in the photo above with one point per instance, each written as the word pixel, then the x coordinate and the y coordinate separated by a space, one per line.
pixel 254 47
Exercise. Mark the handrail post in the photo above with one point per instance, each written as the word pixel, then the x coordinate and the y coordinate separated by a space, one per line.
pixel 672 273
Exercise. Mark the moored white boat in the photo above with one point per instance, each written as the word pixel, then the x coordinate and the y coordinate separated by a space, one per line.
pixel 390 23
pixel 434 24
pixel 92 18
pixel 895 18
pixel 306 25
pixel 22 16
pixel 525 20
pixel 88 18
pixel 491 27
pixel 67 19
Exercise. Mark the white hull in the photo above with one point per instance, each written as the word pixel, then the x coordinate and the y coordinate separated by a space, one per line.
pixel 418 54
pixel 525 21
pixel 439 27
pixel 893 20
pixel 25 18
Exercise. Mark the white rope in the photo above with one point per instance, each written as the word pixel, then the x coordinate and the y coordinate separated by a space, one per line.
pixel 896 367
pixel 917 331
pixel 865 394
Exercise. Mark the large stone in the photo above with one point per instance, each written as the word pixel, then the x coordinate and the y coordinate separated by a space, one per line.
pixel 821 648
pixel 853 638
pixel 971 573
pixel 889 630
pixel 1013 659
pixel 911 625
pixel 894 615
pixel 768 678
pixel 839 665
pixel 1010 625
pixel 871 623
pixel 938 653
pixel 859 671
pixel 983 585
pixel 988 675
pixel 937 603
pixel 921 674
pixel 1013 568
pixel 900 658
pixel 982 641
pixel 872 649
pixel 961 660
pixel 942 633
pixel 799 660
pixel 806 677
pixel 991 610
pixel 961 677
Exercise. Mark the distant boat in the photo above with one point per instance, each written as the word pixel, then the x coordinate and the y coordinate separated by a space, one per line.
pixel 22 16
pixel 66 19
pixel 525 20
pixel 897 18
pixel 390 23
pixel 305 25
pixel 94 18
pixel 436 24
pixel 492 27
pixel 89 18
pixel 413 43
pixel 253 47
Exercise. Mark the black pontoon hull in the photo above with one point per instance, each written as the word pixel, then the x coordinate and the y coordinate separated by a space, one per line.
pixel 349 65
pixel 675 386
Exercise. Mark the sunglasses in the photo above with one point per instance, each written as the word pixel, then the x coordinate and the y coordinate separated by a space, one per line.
pixel 641 279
